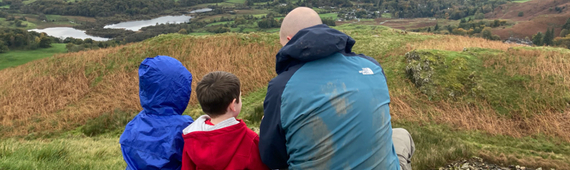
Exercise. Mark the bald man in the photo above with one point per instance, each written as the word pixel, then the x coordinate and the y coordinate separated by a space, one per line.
pixel 328 108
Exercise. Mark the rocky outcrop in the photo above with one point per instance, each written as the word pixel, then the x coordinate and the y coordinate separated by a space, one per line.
pixel 442 75
pixel 476 163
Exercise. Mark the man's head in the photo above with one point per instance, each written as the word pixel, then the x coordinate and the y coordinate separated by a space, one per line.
pixel 298 19
pixel 219 93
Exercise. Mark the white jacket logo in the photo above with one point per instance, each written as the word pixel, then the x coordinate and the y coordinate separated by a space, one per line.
pixel 366 71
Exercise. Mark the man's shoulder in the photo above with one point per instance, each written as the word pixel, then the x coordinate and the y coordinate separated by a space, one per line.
pixel 362 56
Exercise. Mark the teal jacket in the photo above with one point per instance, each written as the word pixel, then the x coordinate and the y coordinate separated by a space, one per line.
pixel 328 108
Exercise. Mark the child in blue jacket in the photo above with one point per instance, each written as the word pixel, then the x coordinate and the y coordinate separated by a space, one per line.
pixel 153 139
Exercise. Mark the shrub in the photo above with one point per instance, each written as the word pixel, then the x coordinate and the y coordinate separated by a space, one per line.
pixel 107 122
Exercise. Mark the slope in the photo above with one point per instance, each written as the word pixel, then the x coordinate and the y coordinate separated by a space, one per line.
pixel 509 104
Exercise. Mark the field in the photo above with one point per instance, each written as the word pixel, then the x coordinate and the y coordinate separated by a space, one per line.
pixel 538 16
pixel 504 103
pixel 403 23
pixel 52 21
pixel 19 57
pixel 334 16
pixel 4 23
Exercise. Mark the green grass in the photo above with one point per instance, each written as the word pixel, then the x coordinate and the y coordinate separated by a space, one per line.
pixel 201 33
pixel 5 6
pixel 249 30
pixel 329 15
pixel 319 10
pixel 219 23
pixel 74 152
pixel 19 57
pixel 435 144
pixel 29 25
pixel 236 1
pixel 386 15
pixel 26 2
pixel 226 4
pixel 273 30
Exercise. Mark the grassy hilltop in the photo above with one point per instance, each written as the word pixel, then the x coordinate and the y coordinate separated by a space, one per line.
pixel 458 96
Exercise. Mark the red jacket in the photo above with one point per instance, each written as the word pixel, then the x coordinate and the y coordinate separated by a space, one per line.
pixel 234 148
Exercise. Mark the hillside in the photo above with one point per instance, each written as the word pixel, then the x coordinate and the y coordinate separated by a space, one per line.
pixel 506 104
pixel 537 16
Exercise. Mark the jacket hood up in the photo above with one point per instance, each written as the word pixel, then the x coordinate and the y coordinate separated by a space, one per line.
pixel 165 86
pixel 153 139
pixel 311 44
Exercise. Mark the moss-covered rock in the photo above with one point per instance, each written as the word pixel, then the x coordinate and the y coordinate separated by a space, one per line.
pixel 509 81
pixel 444 75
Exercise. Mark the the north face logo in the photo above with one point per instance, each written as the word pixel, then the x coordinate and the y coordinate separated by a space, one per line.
pixel 366 71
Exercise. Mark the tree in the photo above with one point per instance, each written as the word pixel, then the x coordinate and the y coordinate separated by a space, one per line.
pixel 11 18
pixel 486 33
pixel 521 14
pixel 479 16
pixel 249 3
pixel 459 31
pixel 42 17
pixel 88 41
pixel 182 31
pixel 548 37
pixel 18 23
pixel 496 23
pixel 436 27
pixel 537 39
pixel 45 41
pixel 567 25
pixel 328 21
pixel 3 47
pixel 563 33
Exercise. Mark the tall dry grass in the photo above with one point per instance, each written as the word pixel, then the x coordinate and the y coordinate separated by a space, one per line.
pixel 63 92
pixel 544 64
pixel 457 43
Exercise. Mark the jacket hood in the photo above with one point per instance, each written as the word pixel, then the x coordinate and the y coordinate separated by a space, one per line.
pixel 217 149
pixel 200 125
pixel 312 43
pixel 165 86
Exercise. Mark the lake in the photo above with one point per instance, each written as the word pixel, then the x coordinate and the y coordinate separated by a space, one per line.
pixel 64 32
pixel 201 10
pixel 137 25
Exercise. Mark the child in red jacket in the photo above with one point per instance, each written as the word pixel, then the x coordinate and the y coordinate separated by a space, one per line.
pixel 218 140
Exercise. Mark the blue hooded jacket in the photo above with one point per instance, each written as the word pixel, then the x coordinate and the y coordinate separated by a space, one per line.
pixel 153 139
pixel 328 108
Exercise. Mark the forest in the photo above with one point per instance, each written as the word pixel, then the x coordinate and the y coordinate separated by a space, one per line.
pixel 95 8
pixel 11 39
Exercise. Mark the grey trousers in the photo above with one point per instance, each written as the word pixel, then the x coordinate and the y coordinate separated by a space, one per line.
pixel 404 146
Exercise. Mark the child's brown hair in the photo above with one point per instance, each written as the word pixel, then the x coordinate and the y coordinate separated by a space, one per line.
pixel 216 91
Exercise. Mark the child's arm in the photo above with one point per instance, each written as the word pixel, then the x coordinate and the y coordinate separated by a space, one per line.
pixel 254 159
pixel 186 161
